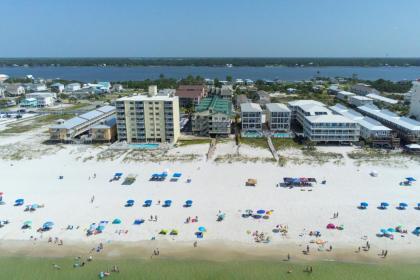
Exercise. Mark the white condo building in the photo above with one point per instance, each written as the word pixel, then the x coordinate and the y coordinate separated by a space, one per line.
pixel 415 100
pixel 278 117
pixel 251 117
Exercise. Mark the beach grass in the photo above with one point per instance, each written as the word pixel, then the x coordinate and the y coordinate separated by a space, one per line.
pixel 42 268
pixel 193 142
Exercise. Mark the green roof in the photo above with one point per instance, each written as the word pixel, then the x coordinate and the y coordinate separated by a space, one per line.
pixel 217 105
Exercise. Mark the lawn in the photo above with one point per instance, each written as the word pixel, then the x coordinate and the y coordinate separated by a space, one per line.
pixel 41 268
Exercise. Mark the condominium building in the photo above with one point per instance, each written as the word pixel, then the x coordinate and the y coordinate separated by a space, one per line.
pixel 278 117
pixel 148 118
pixel 371 130
pixel 359 100
pixel 251 117
pixel 212 117
pixel 331 128
pixel 407 129
pixel 303 108
pixel 190 95
pixel 344 95
pixel 415 100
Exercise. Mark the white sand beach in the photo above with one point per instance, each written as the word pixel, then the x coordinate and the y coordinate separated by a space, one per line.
pixel 214 186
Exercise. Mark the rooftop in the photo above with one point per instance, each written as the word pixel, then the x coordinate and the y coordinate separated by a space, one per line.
pixel 148 98
pixel 382 98
pixel 304 102
pixel 391 117
pixel 190 91
pixel 216 104
pixel 361 98
pixel 277 107
pixel 250 107
pixel 73 122
pixel 346 93
pixel 329 119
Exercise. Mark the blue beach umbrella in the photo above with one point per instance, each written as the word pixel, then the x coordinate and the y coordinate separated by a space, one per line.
pixel 384 231
pixel 391 230
pixel 261 212
pixel 384 204
pixel 168 202
pixel 149 201
pixel 403 205
pixel 188 202
pixel 364 204
pixel 116 221
pixel 48 225
pixel 410 179
pixel 202 229
pixel 130 201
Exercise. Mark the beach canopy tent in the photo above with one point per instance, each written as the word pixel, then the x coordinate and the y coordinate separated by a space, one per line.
pixel 364 205
pixel 177 175
pixel 147 203
pixel 251 182
pixel 403 205
pixel 188 203
pixel 19 202
pixel 138 221
pixel 167 203
pixel 159 176
pixel 116 221
pixel 384 205
pixel 48 225
pixel 202 229
pixel 129 203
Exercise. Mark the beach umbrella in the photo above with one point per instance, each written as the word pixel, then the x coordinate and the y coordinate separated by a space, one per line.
pixel 383 231
pixel 403 205
pixel 149 201
pixel 364 204
pixel 130 201
pixel 138 221
pixel 48 225
pixel 188 202
pixel 167 202
pixel 177 175
pixel 248 211
pixel 261 212
pixel 257 216
pixel 391 230
pixel 418 205
pixel 202 229
pixel 384 204
pixel 27 223
pixel 410 179
pixel 116 221
pixel 19 201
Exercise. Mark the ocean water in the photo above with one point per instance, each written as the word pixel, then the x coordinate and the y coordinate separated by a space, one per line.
pixel 88 74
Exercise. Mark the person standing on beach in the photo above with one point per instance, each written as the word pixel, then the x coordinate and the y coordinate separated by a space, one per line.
pixel 288 257
pixel 195 244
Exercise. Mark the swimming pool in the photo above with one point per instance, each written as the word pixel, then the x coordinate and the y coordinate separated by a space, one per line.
pixel 252 134
pixel 145 146
pixel 282 135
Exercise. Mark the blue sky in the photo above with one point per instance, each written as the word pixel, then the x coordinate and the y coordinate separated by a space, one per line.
pixel 187 28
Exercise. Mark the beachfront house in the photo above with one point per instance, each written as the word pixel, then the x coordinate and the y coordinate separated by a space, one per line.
pixel 148 118
pixel 226 92
pixel 44 99
pixel 344 95
pixel 212 117
pixel 251 119
pixel 190 95
pixel 29 103
pixel 14 89
pixel 35 87
pixel 372 131
pixel 72 87
pixel 359 100
pixel 407 129
pixel 57 87
pixel 69 130
pixel 278 117
pixel 363 89
pixel 263 98
pixel 415 100
pixel 117 88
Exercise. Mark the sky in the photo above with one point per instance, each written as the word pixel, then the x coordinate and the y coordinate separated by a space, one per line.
pixel 209 28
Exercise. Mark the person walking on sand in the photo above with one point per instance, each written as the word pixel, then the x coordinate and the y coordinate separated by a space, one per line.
pixel 195 244
pixel 386 253
pixel 288 257
pixel 92 199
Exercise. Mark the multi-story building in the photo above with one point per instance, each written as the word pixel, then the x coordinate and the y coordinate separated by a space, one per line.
pixel 371 130
pixel 382 99
pixel 344 95
pixel 44 99
pixel 363 89
pixel 212 117
pixel 105 131
pixel 148 118
pixel 303 108
pixel 415 100
pixel 67 131
pixel 359 100
pixel 331 128
pixel 278 117
pixel 407 129
pixel 226 92
pixel 190 95
pixel 251 117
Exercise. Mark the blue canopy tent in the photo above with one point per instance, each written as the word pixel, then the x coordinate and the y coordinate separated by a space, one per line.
pixel 384 205
pixel 147 203
pixel 188 203
pixel 167 203
pixel 47 225
pixel 403 205
pixel 364 205
pixel 116 221
pixel 129 203
pixel 19 202
pixel 138 221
